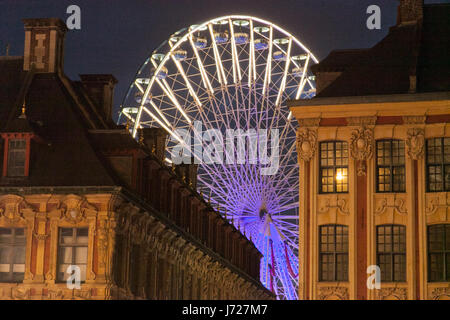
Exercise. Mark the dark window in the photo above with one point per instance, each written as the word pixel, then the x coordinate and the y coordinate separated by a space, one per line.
pixel 17 149
pixel 12 254
pixel 438 164
pixel 73 250
pixel 391 252
pixel 439 252
pixel 333 256
pixel 391 166
pixel 333 167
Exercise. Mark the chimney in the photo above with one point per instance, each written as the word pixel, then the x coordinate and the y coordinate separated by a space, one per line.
pixel 409 11
pixel 155 139
pixel 189 171
pixel 44 45
pixel 100 88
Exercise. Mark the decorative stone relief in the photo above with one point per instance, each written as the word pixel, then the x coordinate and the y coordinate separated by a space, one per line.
pixel 415 143
pixel 333 293
pixel 440 293
pixel 361 148
pixel 74 208
pixel 391 293
pixel 306 143
pixel 397 204
pixel 12 208
pixel 325 204
pixel 438 204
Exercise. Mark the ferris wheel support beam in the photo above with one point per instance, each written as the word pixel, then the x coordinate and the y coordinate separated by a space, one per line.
pixel 268 76
pixel 286 69
pixel 203 73
pixel 186 80
pixel 252 64
pixel 174 100
pixel 302 80
pixel 220 72
pixel 237 76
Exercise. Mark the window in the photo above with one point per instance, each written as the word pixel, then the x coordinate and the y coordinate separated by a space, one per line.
pixel 12 254
pixel 333 167
pixel 390 166
pixel 439 252
pixel 16 157
pixel 73 250
pixel 333 254
pixel 391 252
pixel 438 164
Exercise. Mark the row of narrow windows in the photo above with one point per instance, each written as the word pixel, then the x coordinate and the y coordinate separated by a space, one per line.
pixel 72 250
pixel 390 252
pixel 390 166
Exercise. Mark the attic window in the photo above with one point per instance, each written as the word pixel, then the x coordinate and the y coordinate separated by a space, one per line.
pixel 17 150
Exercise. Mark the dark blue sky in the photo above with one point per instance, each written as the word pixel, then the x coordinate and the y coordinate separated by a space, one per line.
pixel 117 35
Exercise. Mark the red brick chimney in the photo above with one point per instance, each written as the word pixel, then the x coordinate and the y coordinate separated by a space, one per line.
pixel 44 45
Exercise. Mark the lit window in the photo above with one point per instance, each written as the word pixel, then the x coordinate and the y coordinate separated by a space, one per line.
pixel 438 164
pixel 16 157
pixel 12 254
pixel 439 253
pixel 391 166
pixel 333 253
pixel 391 252
pixel 333 167
pixel 73 250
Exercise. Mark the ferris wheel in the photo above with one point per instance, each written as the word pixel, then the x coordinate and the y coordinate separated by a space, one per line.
pixel 235 72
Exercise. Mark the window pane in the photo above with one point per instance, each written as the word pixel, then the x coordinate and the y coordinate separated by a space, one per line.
pixel 333 167
pixel 390 171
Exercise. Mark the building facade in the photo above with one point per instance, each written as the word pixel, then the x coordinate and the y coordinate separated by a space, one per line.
pixel 80 199
pixel 374 156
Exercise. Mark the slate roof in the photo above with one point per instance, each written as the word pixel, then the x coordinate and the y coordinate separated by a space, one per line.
pixel 408 50
pixel 67 156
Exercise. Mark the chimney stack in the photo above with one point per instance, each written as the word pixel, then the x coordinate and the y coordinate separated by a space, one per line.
pixel 100 88
pixel 44 45
pixel 409 11
pixel 155 139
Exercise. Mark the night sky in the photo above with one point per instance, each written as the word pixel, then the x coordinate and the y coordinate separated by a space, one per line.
pixel 116 36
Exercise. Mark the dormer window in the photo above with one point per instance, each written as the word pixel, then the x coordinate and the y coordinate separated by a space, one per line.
pixel 17 155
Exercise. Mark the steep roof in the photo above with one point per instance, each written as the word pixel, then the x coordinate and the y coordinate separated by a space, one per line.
pixel 409 50
pixel 66 157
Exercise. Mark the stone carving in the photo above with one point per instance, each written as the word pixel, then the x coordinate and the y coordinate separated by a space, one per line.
pixel 339 204
pixel 438 293
pixel 361 148
pixel 12 207
pixel 306 143
pixel 398 205
pixel 74 208
pixel 415 143
pixel 386 293
pixel 326 293
pixel 438 204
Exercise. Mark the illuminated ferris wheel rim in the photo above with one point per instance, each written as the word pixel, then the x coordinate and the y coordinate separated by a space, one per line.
pixel 201 27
